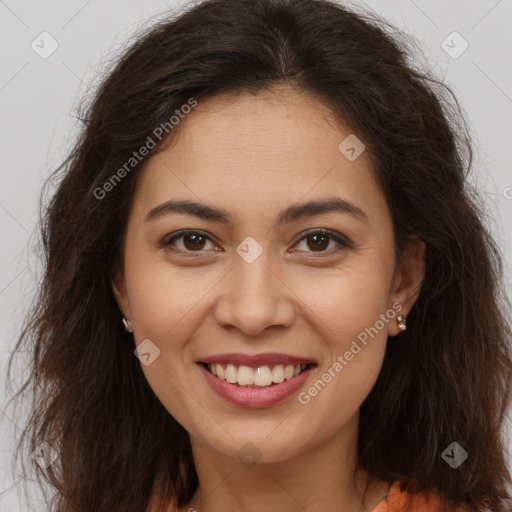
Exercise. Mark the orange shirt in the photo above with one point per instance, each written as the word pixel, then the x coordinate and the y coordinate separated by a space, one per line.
pixel 397 501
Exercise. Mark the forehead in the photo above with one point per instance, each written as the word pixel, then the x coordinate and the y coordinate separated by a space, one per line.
pixel 274 148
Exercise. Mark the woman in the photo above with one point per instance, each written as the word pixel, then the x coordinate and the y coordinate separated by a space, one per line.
pixel 268 284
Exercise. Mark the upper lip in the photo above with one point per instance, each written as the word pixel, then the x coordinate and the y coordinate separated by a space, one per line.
pixel 256 360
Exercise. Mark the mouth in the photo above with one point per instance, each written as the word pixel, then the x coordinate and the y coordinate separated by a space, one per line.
pixel 262 376
pixel 256 380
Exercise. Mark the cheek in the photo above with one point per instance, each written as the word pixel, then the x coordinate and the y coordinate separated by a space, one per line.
pixel 165 306
pixel 346 301
pixel 351 315
pixel 163 300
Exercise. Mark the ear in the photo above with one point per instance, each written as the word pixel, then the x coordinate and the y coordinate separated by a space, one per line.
pixel 118 283
pixel 408 280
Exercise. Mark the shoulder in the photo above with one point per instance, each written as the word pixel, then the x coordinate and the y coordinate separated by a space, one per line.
pixel 402 501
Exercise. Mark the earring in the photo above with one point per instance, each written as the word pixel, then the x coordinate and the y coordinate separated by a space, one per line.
pixel 400 320
pixel 127 325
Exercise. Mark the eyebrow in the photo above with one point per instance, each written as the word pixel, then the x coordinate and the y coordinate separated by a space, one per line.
pixel 288 215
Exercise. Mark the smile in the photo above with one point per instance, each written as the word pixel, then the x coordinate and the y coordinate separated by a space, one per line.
pixel 261 380
pixel 262 376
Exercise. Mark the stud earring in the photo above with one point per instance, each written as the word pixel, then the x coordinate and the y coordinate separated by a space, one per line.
pixel 400 320
pixel 127 325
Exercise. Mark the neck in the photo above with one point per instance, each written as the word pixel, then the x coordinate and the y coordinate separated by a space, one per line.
pixel 323 477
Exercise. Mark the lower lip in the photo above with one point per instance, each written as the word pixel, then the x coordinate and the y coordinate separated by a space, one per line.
pixel 254 397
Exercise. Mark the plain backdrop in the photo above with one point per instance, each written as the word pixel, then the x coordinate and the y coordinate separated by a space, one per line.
pixel 38 94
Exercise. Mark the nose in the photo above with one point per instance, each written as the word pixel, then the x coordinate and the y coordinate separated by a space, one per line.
pixel 255 297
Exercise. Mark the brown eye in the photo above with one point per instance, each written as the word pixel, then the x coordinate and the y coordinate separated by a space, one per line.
pixel 192 241
pixel 319 240
pixel 316 241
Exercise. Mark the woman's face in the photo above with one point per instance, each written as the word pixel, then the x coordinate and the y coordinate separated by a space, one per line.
pixel 265 171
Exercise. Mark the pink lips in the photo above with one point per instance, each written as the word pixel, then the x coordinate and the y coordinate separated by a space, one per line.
pixel 254 397
pixel 265 359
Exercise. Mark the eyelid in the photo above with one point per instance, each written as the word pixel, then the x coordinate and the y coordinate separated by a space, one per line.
pixel 168 240
pixel 342 240
pixel 338 237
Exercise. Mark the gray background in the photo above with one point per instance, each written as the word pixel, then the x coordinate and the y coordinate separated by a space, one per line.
pixel 38 96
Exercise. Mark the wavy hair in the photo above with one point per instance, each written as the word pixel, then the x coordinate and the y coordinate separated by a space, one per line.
pixel 446 379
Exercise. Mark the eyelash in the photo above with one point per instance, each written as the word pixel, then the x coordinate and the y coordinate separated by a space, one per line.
pixel 343 242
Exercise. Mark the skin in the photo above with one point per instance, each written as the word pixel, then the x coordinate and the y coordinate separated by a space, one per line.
pixel 254 156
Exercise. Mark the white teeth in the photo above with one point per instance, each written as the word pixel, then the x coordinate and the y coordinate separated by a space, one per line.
pixel 245 375
pixel 289 372
pixel 231 374
pixel 262 376
pixel 278 373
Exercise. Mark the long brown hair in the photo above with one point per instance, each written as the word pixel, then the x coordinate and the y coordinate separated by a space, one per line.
pixel 446 379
